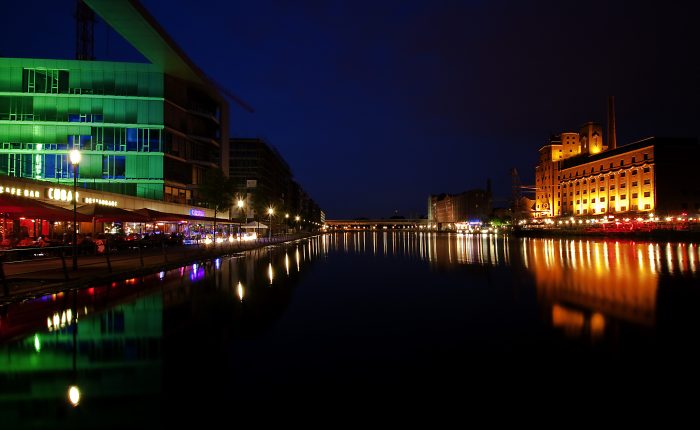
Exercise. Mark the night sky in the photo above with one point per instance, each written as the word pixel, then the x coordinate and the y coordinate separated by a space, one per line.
pixel 377 104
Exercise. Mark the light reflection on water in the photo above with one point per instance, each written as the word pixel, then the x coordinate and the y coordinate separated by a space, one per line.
pixel 583 288
pixel 582 282
pixel 108 341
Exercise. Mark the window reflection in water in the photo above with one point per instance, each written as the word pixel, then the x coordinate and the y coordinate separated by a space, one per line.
pixel 581 283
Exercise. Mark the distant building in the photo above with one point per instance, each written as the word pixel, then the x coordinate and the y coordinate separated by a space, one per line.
pixel 259 168
pixel 260 171
pixel 467 206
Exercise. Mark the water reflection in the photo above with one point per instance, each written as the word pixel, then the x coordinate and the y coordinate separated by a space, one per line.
pixel 582 284
pixel 127 343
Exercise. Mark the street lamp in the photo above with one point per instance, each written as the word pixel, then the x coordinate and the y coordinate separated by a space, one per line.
pixel 269 229
pixel 75 160
pixel 296 218
pixel 240 209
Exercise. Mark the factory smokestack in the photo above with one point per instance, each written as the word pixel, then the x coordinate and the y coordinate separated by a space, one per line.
pixel 612 130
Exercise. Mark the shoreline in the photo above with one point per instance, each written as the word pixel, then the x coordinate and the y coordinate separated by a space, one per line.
pixel 94 276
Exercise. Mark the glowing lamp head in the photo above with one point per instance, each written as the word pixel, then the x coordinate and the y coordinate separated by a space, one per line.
pixel 270 211
pixel 296 218
pixel 75 157
pixel 286 215
pixel 74 395
pixel 240 204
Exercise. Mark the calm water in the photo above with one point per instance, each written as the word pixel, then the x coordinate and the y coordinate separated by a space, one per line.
pixel 351 322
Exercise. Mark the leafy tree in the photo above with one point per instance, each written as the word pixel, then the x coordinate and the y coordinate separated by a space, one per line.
pixel 216 190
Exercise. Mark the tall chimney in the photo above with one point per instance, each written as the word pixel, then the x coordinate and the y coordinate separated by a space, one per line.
pixel 612 138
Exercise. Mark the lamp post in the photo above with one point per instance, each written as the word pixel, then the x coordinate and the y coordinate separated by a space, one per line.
pixel 269 229
pixel 75 160
pixel 240 208
pixel 296 218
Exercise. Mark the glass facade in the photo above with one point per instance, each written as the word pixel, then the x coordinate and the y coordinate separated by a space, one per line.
pixel 112 112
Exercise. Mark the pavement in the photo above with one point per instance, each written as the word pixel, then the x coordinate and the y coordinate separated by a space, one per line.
pixel 39 275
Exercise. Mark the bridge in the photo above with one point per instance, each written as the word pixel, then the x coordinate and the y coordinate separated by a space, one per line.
pixel 376 224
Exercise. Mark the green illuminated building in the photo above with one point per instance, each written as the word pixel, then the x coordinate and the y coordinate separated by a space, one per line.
pixel 146 130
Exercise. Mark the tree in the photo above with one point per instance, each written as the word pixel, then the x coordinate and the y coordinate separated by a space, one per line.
pixel 216 190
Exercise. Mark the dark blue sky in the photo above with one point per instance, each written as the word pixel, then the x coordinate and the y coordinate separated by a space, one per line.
pixel 377 104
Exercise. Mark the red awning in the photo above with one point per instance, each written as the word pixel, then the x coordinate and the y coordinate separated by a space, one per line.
pixel 15 207
pixel 101 213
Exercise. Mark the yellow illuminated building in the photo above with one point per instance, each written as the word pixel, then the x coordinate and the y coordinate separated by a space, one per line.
pixel 577 175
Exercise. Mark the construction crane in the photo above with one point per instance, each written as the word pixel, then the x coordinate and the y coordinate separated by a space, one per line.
pixel 517 195
pixel 84 34
pixel 240 102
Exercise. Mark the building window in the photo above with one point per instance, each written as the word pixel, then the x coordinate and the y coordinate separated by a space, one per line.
pixel 646 170
pixel 623 208
pixel 585 201
pixel 612 187
pixel 578 192
pixel 634 172
pixel 578 212
pixel 578 202
pixel 622 162
pixel 634 183
pixel 623 185
pixel 647 206
pixel 602 189
pixel 612 199
pixel 592 200
pixel 47 81
pixel 602 199
pixel 585 191
pixel 647 194
pixel 622 174
pixel 647 181
pixel 635 195
pixel 623 197
pixel 633 159
pixel 646 156
pixel 592 180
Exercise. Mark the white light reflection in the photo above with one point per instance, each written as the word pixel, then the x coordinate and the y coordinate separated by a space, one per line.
pixel 239 291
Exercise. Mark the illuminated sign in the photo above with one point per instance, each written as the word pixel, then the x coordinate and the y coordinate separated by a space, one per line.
pixel 60 194
pixel 103 202
pixel 197 212
pixel 22 192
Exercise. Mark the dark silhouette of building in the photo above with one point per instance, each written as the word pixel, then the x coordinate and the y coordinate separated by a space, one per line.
pixel 264 178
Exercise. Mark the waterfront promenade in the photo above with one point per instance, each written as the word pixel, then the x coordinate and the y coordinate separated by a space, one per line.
pixel 29 277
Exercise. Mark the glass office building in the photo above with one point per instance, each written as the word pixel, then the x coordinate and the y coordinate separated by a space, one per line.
pixel 111 112
pixel 148 130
